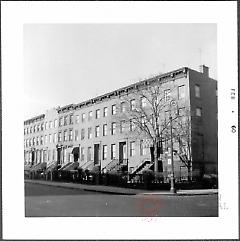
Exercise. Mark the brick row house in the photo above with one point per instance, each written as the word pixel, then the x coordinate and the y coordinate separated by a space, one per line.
pixel 92 133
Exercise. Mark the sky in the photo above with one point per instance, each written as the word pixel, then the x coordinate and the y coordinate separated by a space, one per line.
pixel 70 63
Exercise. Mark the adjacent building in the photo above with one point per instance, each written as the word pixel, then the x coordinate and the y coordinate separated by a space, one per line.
pixel 90 133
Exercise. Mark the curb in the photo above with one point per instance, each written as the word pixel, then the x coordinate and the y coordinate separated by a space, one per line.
pixel 138 192
pixel 180 194
pixel 85 189
pixel 109 192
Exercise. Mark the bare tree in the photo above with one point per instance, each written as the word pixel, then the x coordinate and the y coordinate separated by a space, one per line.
pixel 143 110
pixel 181 134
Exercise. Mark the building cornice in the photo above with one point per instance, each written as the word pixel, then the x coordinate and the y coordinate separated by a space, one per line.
pixel 162 78
pixel 130 88
pixel 34 119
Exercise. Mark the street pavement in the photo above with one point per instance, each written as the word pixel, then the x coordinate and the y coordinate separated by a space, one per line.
pixel 56 201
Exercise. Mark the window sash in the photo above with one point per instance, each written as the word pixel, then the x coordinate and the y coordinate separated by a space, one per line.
pixel 113 151
pixel 197 91
pixel 104 152
pixel 105 111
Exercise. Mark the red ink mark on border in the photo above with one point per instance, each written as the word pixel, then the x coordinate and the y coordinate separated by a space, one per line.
pixel 149 206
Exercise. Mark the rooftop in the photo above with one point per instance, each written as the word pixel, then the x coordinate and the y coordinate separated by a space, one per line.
pixel 161 78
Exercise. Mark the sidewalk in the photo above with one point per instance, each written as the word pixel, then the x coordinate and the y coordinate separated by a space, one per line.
pixel 121 190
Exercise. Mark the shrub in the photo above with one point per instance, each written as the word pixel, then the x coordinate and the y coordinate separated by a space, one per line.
pixel 116 179
pixel 148 176
pixel 159 177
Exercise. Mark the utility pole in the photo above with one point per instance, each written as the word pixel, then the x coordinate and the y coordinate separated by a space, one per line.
pixel 173 190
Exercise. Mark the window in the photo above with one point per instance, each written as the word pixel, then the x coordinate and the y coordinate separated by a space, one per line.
pixel 97 131
pixel 105 111
pixel 114 109
pixel 83 117
pixel 89 133
pixel 97 114
pixel 143 102
pixel 59 136
pixel 181 111
pixel 61 121
pixel 70 135
pixel 104 129
pixel 82 134
pixel 181 92
pixel 41 140
pixel 123 107
pixel 132 148
pixel 131 125
pixel 167 95
pixel 38 140
pixel 42 126
pixel 55 123
pixel 113 128
pixel 76 135
pixel 53 155
pixel 38 127
pixel 65 135
pixel 89 154
pixel 142 148
pixel 90 115
pixel 77 119
pixel 50 124
pixel 46 138
pixel 55 137
pixel 65 120
pixel 197 91
pixel 167 114
pixel 113 151
pixel 198 112
pixel 71 119
pixel 143 120
pixel 50 138
pixel 46 126
pixel 33 141
pixel 132 104
pixel 122 126
pixel 82 153
pixel 104 152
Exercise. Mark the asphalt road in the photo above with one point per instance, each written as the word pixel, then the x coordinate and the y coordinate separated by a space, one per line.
pixel 49 201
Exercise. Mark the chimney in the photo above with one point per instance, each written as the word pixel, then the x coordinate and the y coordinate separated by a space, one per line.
pixel 204 69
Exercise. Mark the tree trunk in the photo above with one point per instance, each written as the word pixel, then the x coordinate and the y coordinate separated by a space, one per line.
pixel 155 157
pixel 189 170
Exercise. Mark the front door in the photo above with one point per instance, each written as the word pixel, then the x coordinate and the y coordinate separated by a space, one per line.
pixel 58 156
pixel 33 156
pixel 122 152
pixel 96 154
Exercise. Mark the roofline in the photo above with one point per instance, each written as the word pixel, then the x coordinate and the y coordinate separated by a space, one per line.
pixel 161 77
pixel 35 118
pixel 145 81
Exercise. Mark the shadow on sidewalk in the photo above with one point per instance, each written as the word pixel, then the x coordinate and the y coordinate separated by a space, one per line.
pixel 34 189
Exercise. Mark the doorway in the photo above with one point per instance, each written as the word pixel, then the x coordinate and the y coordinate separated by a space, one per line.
pixel 122 152
pixel 96 154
